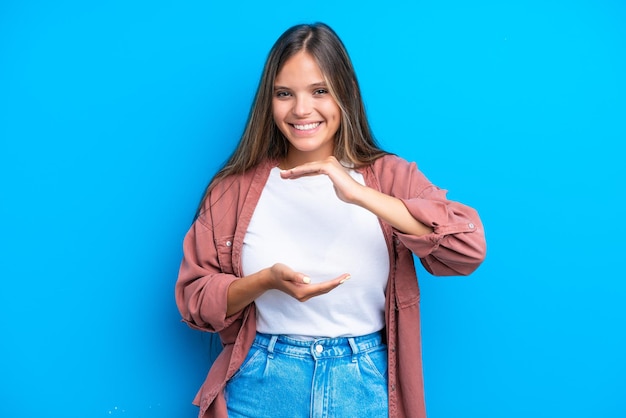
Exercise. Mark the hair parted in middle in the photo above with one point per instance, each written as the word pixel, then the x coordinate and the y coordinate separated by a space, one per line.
pixel 354 142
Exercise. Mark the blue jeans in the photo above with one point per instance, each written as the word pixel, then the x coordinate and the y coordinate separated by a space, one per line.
pixel 326 377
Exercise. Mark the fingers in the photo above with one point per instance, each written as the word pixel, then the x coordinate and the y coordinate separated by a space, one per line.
pixel 298 172
pixel 306 292
pixel 299 286
pixel 311 169
pixel 292 276
pixel 346 188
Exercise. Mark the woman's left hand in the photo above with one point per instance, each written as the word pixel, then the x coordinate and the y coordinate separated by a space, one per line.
pixel 346 187
pixel 388 208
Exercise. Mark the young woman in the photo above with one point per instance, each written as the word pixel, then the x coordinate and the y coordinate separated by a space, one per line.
pixel 301 254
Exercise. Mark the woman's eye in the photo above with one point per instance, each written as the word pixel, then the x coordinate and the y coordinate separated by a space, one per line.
pixel 282 94
pixel 320 91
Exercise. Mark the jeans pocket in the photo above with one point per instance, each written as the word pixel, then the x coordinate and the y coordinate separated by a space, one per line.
pixel 377 361
pixel 253 359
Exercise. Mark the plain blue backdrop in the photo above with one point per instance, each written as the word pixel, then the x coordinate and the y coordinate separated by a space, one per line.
pixel 114 115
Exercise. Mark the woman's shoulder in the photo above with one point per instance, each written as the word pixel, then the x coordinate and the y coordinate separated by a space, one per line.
pixel 233 187
pixel 234 182
pixel 391 164
pixel 397 176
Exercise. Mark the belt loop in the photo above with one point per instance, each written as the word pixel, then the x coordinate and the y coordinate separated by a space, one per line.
pixel 270 346
pixel 354 347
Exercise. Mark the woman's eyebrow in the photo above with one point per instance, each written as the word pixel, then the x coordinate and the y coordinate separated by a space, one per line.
pixel 314 85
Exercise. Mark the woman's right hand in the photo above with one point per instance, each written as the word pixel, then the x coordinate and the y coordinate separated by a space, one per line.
pixel 245 290
pixel 298 285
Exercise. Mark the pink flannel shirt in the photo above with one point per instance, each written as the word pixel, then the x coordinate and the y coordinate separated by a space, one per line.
pixel 212 261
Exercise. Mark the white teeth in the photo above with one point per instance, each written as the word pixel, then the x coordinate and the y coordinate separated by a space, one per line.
pixel 307 127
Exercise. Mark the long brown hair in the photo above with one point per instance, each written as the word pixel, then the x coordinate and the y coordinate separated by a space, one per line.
pixel 261 139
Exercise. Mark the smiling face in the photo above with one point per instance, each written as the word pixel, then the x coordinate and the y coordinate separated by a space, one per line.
pixel 305 111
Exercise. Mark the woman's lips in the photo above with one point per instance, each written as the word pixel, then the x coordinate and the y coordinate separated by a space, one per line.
pixel 305 127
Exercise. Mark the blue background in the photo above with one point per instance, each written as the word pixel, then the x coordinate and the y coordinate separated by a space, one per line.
pixel 114 115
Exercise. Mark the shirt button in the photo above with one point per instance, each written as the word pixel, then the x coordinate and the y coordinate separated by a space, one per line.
pixel 228 243
pixel 471 225
pixel 319 348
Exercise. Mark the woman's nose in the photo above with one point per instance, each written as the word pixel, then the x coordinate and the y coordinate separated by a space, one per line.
pixel 303 106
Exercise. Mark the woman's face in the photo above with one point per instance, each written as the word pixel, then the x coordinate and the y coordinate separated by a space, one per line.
pixel 304 110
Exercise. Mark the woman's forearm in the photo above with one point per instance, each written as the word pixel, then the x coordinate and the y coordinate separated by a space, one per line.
pixel 245 290
pixel 391 210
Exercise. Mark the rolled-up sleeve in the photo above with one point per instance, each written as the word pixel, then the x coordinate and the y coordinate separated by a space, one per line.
pixel 202 285
pixel 457 244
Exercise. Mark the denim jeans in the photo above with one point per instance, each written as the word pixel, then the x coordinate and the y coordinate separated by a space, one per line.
pixel 326 377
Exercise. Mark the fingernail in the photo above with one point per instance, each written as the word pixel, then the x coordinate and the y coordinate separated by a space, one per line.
pixel 347 278
pixel 306 280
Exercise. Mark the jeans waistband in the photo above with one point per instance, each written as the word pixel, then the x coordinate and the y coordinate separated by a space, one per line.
pixel 319 347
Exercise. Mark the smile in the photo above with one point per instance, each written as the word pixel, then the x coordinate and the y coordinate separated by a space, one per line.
pixel 307 127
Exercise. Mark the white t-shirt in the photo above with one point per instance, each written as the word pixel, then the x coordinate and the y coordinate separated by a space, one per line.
pixel 304 225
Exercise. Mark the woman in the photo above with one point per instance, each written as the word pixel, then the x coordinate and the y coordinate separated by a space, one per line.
pixel 301 254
